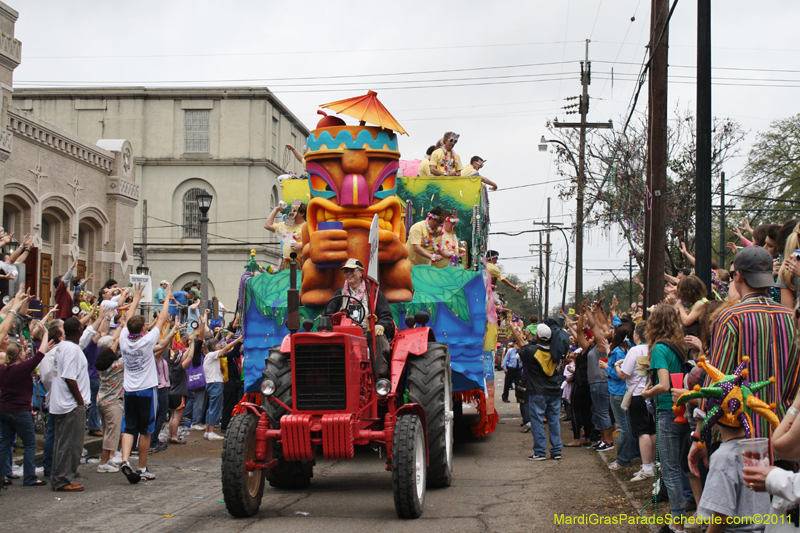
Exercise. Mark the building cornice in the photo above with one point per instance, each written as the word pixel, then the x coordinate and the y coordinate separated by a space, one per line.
pixel 208 162
pixel 36 130
pixel 169 93
pixel 10 51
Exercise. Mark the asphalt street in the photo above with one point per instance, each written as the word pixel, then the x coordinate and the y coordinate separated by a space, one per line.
pixel 494 489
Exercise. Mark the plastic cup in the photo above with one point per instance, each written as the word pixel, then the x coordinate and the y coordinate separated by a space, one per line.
pixel 642 365
pixel 755 452
pixel 676 380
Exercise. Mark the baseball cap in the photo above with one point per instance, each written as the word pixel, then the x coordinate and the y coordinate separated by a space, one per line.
pixel 543 332
pixel 164 282
pixel 755 264
pixel 353 263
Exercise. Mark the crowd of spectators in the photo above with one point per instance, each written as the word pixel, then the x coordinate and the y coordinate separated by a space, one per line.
pixel 623 372
pixel 105 371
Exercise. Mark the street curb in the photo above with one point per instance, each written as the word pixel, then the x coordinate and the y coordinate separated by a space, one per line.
pixel 633 501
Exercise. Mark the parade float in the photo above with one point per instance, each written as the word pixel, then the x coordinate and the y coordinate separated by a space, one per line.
pixel 318 391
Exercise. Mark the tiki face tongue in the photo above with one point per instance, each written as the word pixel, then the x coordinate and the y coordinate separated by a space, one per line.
pixel 355 192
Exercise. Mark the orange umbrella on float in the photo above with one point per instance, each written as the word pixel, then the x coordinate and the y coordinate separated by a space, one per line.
pixel 367 108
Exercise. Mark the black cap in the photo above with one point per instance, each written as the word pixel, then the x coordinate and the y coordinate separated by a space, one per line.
pixel 492 253
pixel 755 264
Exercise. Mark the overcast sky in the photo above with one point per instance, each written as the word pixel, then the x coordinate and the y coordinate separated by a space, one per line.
pixel 494 72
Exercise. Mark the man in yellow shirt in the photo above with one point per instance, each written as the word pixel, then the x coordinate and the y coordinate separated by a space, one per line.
pixel 444 161
pixel 475 164
pixel 425 165
pixel 421 241
pixel 494 272
pixel 289 232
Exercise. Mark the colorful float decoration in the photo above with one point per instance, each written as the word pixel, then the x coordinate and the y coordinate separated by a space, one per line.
pixel 353 175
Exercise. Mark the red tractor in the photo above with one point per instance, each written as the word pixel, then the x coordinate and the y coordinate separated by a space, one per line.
pixel 321 395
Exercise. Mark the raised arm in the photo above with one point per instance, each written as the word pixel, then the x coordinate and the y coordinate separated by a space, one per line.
pixel 296 154
pixel 269 224
pixel 685 252
pixel 21 253
pixel 68 275
pixel 137 295
pixel 7 325
pixel 164 314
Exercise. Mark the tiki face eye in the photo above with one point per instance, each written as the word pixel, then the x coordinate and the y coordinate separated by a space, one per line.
pixel 386 184
pixel 320 182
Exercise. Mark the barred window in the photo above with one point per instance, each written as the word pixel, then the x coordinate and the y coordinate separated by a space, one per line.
pixel 191 214
pixel 196 130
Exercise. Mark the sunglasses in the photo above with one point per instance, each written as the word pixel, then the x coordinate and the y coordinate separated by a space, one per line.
pixel 454 141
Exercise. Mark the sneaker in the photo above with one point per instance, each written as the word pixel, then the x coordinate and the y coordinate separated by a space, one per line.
pixel 641 475
pixel 198 427
pixel 213 436
pixel 555 456
pixel 130 473
pixel 603 447
pixel 614 466
pixel 107 468
pixel 145 474
pixel 537 458
pixel 526 428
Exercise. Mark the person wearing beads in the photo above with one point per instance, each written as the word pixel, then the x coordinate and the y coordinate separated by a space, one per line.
pixel 445 161
pixel 422 239
pixel 473 169
pixel 447 242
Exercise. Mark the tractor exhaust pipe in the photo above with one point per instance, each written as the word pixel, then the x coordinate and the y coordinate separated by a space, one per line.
pixel 293 298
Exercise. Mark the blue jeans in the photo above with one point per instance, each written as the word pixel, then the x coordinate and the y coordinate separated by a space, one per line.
pixel 214 392
pixel 600 401
pixel 11 425
pixel 673 444
pixel 161 414
pixel 549 407
pixel 625 443
pixel 8 460
pixel 49 441
pixel 196 406
pixel 94 419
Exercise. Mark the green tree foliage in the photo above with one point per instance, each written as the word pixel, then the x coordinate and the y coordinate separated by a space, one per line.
pixel 616 165
pixel 519 302
pixel 773 170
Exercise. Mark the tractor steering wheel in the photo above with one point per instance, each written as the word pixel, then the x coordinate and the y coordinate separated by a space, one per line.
pixel 329 310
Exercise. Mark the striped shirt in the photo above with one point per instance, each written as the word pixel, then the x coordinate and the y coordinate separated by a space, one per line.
pixel 763 330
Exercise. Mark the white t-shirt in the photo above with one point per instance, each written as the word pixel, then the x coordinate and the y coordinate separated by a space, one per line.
pixel 111 307
pixel 46 368
pixel 140 362
pixel 212 369
pixel 635 382
pixel 70 364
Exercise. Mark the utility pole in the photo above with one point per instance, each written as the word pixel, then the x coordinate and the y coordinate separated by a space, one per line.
pixel 654 232
pixel 703 167
pixel 541 286
pixel 586 80
pixel 722 246
pixel 547 265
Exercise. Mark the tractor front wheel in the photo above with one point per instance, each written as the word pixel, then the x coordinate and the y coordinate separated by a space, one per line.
pixel 430 385
pixel 408 466
pixel 241 489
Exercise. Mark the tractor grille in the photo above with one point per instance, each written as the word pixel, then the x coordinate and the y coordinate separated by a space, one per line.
pixel 320 377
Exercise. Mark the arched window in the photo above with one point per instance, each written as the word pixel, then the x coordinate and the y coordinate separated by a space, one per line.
pixel 273 199
pixel 191 214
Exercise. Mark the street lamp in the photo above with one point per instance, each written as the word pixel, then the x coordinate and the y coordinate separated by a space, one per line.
pixel 204 204
pixel 578 218
pixel 142 269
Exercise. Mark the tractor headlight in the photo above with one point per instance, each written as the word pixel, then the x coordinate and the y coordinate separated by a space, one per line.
pixel 267 387
pixel 383 387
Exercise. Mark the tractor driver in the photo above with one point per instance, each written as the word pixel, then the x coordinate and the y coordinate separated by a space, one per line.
pixel 356 288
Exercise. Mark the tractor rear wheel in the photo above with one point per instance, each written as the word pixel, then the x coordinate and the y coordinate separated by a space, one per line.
pixel 242 490
pixel 408 466
pixel 286 474
pixel 430 385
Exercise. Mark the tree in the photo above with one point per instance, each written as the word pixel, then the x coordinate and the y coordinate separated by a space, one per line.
pixel 772 172
pixel 616 165
pixel 519 302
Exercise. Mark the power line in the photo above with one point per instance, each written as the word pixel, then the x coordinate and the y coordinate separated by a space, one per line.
pixel 531 184
pixel 323 51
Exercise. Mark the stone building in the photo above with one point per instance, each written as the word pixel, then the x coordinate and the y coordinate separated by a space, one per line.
pixel 229 141
pixel 77 198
